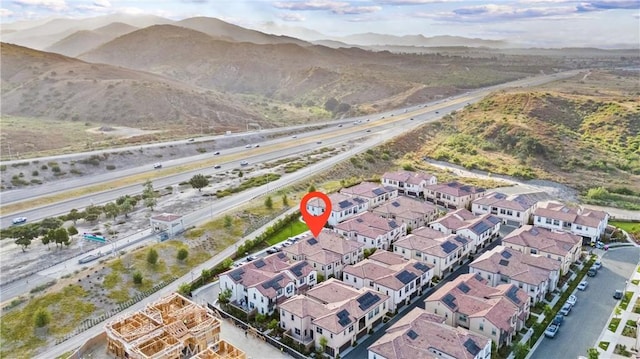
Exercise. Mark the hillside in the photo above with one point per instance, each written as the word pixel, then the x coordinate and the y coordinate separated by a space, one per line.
pixel 85 40
pixel 584 132
pixel 54 87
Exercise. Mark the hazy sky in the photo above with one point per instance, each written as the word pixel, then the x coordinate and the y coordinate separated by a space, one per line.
pixel 603 23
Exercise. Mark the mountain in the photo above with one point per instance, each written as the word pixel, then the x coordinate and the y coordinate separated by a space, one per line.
pixel 85 40
pixel 52 86
pixel 373 39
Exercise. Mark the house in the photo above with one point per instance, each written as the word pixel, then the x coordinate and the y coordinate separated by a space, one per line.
pixel 470 302
pixel 409 182
pixel 586 223
pixel 536 275
pixel 514 210
pixel 171 327
pixel 399 278
pixel 453 194
pixel 434 248
pixel 262 284
pixel 374 193
pixel 479 229
pixel 423 335
pixel 342 207
pixel 334 313
pixel 372 230
pixel 327 254
pixel 412 212
pixel 562 246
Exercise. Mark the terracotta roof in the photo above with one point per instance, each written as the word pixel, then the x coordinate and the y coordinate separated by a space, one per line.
pixel 387 258
pixel 302 307
pixel 455 189
pixel 410 177
pixel 339 202
pixel 543 239
pixel 516 265
pixel 418 334
pixel 368 225
pixel 332 291
pixel 590 218
pixel 324 257
pixel 456 219
pixel 327 240
pixel 430 246
pixel 367 190
pixel 427 232
pixel 387 275
pixel 518 202
pixel 406 207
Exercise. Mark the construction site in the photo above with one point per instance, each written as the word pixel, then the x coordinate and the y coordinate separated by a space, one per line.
pixel 171 328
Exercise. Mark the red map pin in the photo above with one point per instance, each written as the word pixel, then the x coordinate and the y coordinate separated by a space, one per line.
pixel 315 222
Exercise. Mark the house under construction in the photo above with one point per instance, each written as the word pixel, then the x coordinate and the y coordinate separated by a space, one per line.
pixel 172 328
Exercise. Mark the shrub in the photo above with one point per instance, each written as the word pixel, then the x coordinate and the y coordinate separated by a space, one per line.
pixel 183 253
pixel 137 277
pixel 111 167
pixel 152 256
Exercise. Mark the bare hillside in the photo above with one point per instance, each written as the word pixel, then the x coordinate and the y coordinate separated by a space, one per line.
pixel 85 40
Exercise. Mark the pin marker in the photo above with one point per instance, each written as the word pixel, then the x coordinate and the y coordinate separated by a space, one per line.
pixel 315 223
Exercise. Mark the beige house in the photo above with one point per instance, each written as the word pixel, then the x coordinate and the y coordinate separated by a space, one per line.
pixel 468 301
pixel 372 230
pixel 343 207
pixel 562 246
pixel 409 182
pixel 514 210
pixel 453 194
pixel 374 193
pixel 412 212
pixel 422 335
pixel 334 311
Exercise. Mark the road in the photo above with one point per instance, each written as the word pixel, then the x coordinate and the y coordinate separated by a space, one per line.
pixel 583 325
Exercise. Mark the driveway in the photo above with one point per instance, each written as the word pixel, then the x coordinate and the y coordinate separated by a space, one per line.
pixel 583 325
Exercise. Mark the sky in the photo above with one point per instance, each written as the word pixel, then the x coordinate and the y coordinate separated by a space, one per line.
pixel 545 23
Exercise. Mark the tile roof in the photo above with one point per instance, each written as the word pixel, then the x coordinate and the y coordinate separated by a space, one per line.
pixel 368 225
pixel 543 239
pixel 406 207
pixel 410 177
pixel 339 202
pixel 327 240
pixel 441 247
pixel 582 216
pixel 387 275
pixel 516 265
pixel 518 202
pixel 367 190
pixel 419 334
pixel 481 224
pixel 455 189
pixel 456 219
pixel 303 306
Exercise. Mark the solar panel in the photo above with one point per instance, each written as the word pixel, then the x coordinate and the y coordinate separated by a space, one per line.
pixel 449 300
pixel 499 195
pixel 367 300
pixel 421 267
pixel 282 255
pixel 359 220
pixel 460 239
pixel 504 262
pixel 237 274
pixel 494 220
pixel 480 227
pixel 378 191
pixel 472 347
pixel 343 318
pixel 273 283
pixel 512 294
pixel 506 254
pixel 344 204
pixel 478 277
pixel 297 269
pixel 464 287
pixel 259 263
pixel 452 184
pixel 465 188
pixel 395 204
pixel 411 334
pixel 359 200
pixel 393 224
pixel 312 241
pixel 534 231
pixel 406 277
pixel 565 210
pixel 448 247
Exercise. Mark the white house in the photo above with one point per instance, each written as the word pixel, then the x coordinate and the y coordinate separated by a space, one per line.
pixel 371 230
pixel 412 212
pixel 586 223
pixel 514 210
pixel 399 278
pixel 342 207
pixel 374 193
pixel 481 230
pixel 409 182
pixel 453 194
pixel 450 222
pixel 419 335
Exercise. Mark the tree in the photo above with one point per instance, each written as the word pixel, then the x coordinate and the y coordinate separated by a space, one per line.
pixel 126 207
pixel 49 223
pixel 593 353
pixel 547 310
pixel 46 239
pixel 149 195
pixel 323 343
pixel 25 234
pixel 152 256
pixel 199 182
pixel 240 174
pixel 285 200
pixel 331 104
pixel 111 209
pixel 225 296
pixel 72 230
pixel 60 236
pixel 520 350
pixel 228 222
pixel 273 324
pixel 184 289
pixel 41 318
pixel 268 202
pixel 137 278
pixel 74 215
pixel 312 188
pixel 617 311
pixel 183 253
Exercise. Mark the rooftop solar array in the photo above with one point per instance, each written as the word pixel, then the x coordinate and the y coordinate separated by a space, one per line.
pixel 282 255
pixel 472 347
pixel 312 241
pixel 393 224
pixel 345 204
pixel 480 227
pixel 395 204
pixel 453 184
pixel 359 200
pixel 534 231
pixel 512 294
pixel 499 195
pixel 504 262
pixel 273 283
pixel 359 220
pixel 449 300
pixel 411 334
pixel 405 276
pixel 297 269
pixel 478 277
pixel 460 239
pixel 259 263
pixel 421 267
pixel 378 191
pixel 367 300
pixel 505 254
pixel 464 287
pixel 343 318
pixel 448 247
pixel 237 274
pixel 493 219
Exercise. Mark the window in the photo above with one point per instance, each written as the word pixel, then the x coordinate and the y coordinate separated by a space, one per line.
pixel 331 335
pixel 291 316
pixel 462 318
pixel 481 327
pixel 350 329
pixel 556 222
pixel 539 219
pixel 534 251
pixel 319 330
pixel 547 221
pixel 578 227
pixel 354 279
pixel 493 331
pixel 297 331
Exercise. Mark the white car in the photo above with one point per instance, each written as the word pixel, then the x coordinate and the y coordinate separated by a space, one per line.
pixel 566 309
pixel 583 285
pixel 157 165
pixel 248 146
pixel 597 265
pixel 572 300
pixel 19 220
pixel 244 163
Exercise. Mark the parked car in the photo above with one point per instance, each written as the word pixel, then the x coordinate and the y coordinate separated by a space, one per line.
pixel 566 309
pixel 572 300
pixel 617 294
pixel 583 285
pixel 551 331
pixel 597 265
pixel 272 250
pixel 251 258
pixel 19 220
pixel 191 139
pixel 558 320
pixel 592 272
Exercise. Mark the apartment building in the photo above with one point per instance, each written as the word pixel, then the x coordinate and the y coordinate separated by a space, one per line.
pixel 514 210
pixel 374 193
pixel 410 211
pixel 372 230
pixel 408 182
pixel 453 194
pixel 343 207
pixel 479 229
pixel 586 223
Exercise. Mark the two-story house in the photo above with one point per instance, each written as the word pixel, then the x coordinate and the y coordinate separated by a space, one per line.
pixel 327 254
pixel 562 246
pixel 450 222
pixel 374 193
pixel 399 278
pixel 536 275
pixel 412 212
pixel 409 182
pixel 263 283
pixel 334 311
pixel 514 210
pixel 419 334
pixel 468 301
pixel 586 223
pixel 372 230
pixel 479 229
pixel 453 194
pixel 343 207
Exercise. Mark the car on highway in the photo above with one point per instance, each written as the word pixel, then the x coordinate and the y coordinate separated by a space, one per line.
pixel 583 285
pixel 617 294
pixel 256 146
pixel 551 331
pixel 319 142
pixel 572 300
pixel 340 125
pixel 437 112
pixel 566 309
pixel 558 320
pixel 216 153
pixel 244 163
pixel 369 130
pixel 157 165
pixel 217 167
pixel 294 136
pixel 19 220
pixel 248 146
pixel 191 139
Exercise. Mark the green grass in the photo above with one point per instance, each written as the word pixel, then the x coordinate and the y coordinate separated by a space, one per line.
pixel 635 281
pixel 613 325
pixel 296 227
pixel 111 280
pixel 603 345
pixel 625 300
pixel 629 227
